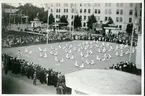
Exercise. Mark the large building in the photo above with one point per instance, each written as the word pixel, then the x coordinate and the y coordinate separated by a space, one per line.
pixel 121 13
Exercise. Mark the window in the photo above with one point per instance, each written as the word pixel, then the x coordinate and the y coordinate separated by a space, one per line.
pixel 95 10
pixel 72 23
pixel 84 4
pixel 121 4
pixel 105 11
pixel 120 26
pixel 64 10
pixel 89 11
pixel 117 11
pixel 59 10
pixel 72 17
pixel 80 4
pixel 117 19
pixel 99 11
pixel 59 16
pixel 57 4
pixel 84 24
pixel 117 4
pixel 56 10
pixel 109 4
pixel 131 4
pixel 56 16
pixel 95 4
pixel 121 12
pixel 80 10
pixel 66 16
pixel 72 10
pixel 130 12
pixel 89 4
pixel 109 11
pixel 130 20
pixel 84 17
pixel 88 17
pixel 98 4
pixel 65 5
pixel 84 10
pixel 121 19
pixel 71 4
pixel 81 17
pixel 105 18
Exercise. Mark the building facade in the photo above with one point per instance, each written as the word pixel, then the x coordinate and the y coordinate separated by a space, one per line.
pixel 121 13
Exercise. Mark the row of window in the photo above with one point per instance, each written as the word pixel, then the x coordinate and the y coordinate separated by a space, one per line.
pixel 85 10
pixel 119 12
pixel 65 10
pixel 118 19
pixel 89 4
pixel 108 4
pixel 107 11
pixel 97 11
pixel 58 16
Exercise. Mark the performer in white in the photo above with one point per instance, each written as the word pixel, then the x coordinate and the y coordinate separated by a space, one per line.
pixel 19 54
pixel 76 64
pixel 97 57
pixel 41 54
pixel 82 66
pixel 26 50
pixel 30 52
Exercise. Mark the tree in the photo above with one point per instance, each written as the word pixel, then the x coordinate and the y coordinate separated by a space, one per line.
pixel 63 20
pixel 110 21
pixel 77 21
pixel 31 11
pixel 51 19
pixel 90 22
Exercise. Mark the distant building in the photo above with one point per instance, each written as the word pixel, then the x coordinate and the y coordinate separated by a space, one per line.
pixel 36 22
pixel 121 13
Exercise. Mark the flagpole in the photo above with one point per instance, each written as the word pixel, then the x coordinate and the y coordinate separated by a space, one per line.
pixel 130 55
pixel 47 24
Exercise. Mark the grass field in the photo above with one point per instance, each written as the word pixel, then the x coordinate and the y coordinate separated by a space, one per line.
pixel 68 65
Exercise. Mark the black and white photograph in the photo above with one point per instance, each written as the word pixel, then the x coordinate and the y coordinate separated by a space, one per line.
pixel 72 48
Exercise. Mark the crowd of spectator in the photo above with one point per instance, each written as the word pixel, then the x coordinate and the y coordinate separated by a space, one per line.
pixel 36 73
pixel 20 40
pixel 126 67
pixel 120 38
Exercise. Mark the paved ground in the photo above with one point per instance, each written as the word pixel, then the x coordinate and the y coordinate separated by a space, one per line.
pixel 68 65
pixel 16 84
